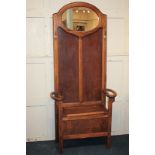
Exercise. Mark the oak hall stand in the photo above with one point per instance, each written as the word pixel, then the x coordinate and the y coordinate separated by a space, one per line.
pixel 81 109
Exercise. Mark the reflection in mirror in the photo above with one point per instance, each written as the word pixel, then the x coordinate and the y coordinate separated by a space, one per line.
pixel 80 19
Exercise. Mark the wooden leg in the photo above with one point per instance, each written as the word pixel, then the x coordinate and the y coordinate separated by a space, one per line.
pixel 56 124
pixel 61 145
pixel 109 142
pixel 56 138
pixel 56 132
pixel 60 128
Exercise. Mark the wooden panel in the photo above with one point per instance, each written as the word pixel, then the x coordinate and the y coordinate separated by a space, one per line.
pixel 70 111
pixel 85 126
pixel 92 66
pixel 68 66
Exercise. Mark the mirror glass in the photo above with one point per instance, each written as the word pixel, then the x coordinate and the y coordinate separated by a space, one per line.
pixel 80 19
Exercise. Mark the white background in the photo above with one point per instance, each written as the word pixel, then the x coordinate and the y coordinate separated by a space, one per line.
pixel 13 77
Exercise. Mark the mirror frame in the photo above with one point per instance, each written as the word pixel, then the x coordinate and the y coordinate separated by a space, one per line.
pixel 97 17
pixel 101 24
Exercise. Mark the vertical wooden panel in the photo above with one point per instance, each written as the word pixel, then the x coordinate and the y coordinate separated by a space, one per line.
pixel 92 66
pixel 55 46
pixel 104 57
pixel 68 66
pixel 80 71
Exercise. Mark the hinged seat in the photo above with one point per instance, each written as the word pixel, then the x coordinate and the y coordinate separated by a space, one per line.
pixel 83 111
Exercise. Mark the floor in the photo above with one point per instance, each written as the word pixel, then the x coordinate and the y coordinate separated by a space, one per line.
pixel 91 146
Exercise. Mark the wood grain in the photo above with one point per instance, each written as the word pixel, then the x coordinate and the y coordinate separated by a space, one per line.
pixel 80 80
pixel 92 68
pixel 68 66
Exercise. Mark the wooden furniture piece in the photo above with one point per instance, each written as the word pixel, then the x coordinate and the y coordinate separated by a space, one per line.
pixel 81 109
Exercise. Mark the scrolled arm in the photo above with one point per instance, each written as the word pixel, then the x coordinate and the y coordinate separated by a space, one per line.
pixel 56 96
pixel 111 93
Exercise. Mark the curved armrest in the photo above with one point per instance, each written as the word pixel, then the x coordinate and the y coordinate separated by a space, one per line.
pixel 110 93
pixel 56 96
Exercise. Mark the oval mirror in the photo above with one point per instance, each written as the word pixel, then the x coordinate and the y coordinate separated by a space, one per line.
pixel 80 19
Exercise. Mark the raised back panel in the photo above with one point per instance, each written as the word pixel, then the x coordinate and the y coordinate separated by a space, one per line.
pixel 92 66
pixel 80 57
pixel 68 66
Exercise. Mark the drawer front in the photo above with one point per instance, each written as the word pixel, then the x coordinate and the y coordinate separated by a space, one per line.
pixel 85 126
